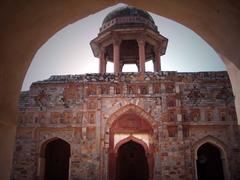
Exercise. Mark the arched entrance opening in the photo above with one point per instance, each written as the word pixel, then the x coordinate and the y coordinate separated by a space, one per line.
pixel 131 145
pixel 131 162
pixel 209 163
pixel 55 156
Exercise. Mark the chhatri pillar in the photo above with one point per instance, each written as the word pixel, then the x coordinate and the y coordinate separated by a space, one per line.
pixel 129 36
pixel 116 55
pixel 141 47
pixel 156 62
pixel 102 61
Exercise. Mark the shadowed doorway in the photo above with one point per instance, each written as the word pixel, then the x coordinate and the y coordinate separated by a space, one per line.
pixel 57 155
pixel 209 163
pixel 132 162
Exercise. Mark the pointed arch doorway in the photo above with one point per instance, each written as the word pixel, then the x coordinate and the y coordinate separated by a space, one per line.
pixel 131 148
pixel 54 160
pixel 209 163
pixel 131 162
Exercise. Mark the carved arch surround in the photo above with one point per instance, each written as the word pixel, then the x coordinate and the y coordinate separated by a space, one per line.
pixel 212 140
pixel 131 108
pixel 143 123
pixel 120 121
pixel 221 146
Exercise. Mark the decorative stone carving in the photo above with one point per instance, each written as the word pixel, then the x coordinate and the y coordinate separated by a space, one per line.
pixel 225 94
pixel 172 131
pixel 156 88
pixel 195 95
pixel 185 116
pixel 42 99
pixel 169 87
pixel 91 133
pixel 92 90
pixel 104 89
pixel 92 104
pixel 172 116
pixel 91 117
pixel 118 89
pixel 79 117
pixel 132 89
pixel 171 101
pixel 143 90
pixel 209 115
pixel 55 117
pixel 195 115
pixel 222 115
pixel 85 119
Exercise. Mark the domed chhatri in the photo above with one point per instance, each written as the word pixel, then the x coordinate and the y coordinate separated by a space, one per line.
pixel 128 36
pixel 127 11
pixel 121 16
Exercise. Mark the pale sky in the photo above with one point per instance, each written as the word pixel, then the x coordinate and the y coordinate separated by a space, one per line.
pixel 69 52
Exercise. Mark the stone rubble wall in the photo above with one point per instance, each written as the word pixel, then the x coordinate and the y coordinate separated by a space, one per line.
pixel 184 107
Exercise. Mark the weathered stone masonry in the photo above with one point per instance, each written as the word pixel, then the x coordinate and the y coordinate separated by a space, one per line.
pixel 182 110
pixel 125 126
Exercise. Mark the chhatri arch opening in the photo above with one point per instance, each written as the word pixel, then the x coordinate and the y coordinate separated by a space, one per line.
pixel 222 20
pixel 54 159
pixel 130 141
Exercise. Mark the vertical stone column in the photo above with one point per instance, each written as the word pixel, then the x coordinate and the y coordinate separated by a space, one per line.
pixel 138 67
pixel 102 61
pixel 116 55
pixel 141 47
pixel 157 64
pixel 121 66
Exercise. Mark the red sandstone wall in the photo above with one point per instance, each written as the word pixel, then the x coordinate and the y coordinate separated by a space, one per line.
pixel 182 108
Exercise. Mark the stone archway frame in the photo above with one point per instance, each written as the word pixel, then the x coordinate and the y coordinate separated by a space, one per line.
pixel 148 153
pixel 112 149
pixel 41 156
pixel 220 146
pixel 134 108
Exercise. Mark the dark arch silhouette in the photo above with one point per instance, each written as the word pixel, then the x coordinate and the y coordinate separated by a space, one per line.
pixel 57 153
pixel 132 162
pixel 209 163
